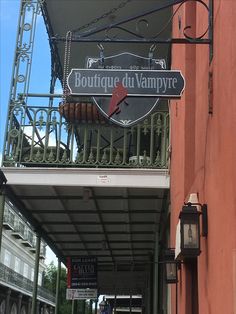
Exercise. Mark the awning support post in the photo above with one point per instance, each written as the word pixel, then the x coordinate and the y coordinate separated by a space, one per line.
pixel 2 204
pixel 58 285
pixel 36 272
pixel 155 274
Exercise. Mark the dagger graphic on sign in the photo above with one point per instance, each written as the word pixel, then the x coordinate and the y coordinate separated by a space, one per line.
pixel 118 95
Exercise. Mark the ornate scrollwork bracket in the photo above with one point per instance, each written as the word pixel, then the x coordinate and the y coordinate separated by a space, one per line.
pixel 139 31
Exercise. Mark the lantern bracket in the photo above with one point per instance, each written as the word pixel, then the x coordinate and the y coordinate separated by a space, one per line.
pixel 204 215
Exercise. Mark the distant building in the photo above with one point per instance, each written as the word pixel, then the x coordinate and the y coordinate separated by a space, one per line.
pixel 17 262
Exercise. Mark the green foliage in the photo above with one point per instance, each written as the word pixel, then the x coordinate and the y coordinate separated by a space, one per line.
pixel 50 280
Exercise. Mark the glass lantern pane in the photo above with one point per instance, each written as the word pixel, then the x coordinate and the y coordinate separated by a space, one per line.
pixel 171 271
pixel 191 236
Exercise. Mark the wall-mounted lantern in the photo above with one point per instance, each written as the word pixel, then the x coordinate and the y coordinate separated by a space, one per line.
pixel 189 225
pixel 171 266
pixel 3 179
pixel 102 305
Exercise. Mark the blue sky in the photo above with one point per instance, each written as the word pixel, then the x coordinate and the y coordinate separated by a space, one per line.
pixel 9 11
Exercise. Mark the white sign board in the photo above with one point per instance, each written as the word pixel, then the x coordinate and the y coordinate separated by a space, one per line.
pixel 103 179
pixel 81 294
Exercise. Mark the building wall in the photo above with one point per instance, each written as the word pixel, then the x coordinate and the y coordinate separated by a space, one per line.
pixel 204 154
pixel 17 264
pixel 17 256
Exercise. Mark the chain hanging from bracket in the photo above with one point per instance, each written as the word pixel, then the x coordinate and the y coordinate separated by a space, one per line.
pixel 66 65
pixel 103 16
pixel 68 41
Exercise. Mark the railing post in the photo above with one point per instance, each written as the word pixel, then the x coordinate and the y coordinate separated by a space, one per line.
pixel 164 141
pixel 36 271
pixel 2 205
pixel 58 286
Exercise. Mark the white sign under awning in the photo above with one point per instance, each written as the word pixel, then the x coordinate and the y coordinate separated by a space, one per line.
pixel 81 294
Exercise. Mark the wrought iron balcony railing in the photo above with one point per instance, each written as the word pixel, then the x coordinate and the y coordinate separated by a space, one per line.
pixel 14 279
pixel 29 238
pixel 42 253
pixel 42 137
pixel 8 219
pixel 19 229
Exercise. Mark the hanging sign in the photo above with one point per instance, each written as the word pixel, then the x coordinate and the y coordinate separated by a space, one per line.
pixel 126 87
pixel 82 272
pixel 148 83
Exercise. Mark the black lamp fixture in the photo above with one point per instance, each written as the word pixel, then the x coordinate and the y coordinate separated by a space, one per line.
pixel 102 305
pixel 171 266
pixel 190 229
pixel 3 179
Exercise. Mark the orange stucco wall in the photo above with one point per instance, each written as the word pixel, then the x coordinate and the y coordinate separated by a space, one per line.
pixel 203 158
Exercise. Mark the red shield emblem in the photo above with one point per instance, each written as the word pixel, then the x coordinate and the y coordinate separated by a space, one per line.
pixel 121 109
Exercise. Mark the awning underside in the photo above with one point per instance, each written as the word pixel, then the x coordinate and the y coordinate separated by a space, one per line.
pixel 83 16
pixel 117 225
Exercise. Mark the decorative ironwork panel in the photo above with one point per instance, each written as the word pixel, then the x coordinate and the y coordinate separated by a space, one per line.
pixel 29 11
pixel 139 32
pixel 12 278
pixel 42 137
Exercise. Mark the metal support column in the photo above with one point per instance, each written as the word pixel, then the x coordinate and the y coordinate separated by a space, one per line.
pixel 29 305
pixel 58 286
pixel 29 11
pixel 73 307
pixel 91 307
pixel 36 272
pixel 8 296
pixel 19 302
pixel 155 274
pixel 130 303
pixel 2 204
pixel 149 292
pixel 96 307
pixel 115 304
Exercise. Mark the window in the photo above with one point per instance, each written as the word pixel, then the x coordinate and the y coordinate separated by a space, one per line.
pixel 32 275
pixel 26 270
pixel 40 279
pixel 7 258
pixel 17 265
